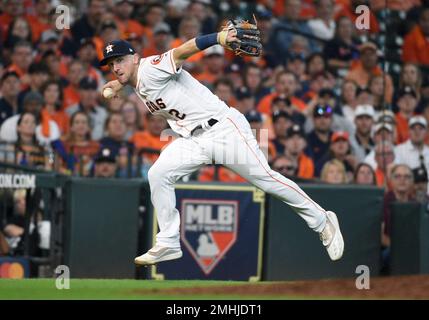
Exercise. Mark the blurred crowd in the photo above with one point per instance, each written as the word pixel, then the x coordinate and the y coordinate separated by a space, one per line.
pixel 328 101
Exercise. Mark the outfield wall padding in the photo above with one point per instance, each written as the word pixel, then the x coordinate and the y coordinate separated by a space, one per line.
pixel 293 251
pixel 101 227
pixel 409 239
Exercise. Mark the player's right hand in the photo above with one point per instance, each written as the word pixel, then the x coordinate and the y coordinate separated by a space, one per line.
pixel 115 85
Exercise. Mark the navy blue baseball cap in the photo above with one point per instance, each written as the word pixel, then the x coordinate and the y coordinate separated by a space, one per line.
pixel 116 48
pixel 253 116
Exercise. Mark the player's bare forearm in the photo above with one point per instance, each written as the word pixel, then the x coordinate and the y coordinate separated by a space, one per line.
pixel 184 51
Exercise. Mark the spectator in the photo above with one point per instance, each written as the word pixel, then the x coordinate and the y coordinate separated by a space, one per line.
pixel 213 62
pixel 349 99
pixel 340 150
pixel 151 15
pixel 367 67
pixel 10 87
pixel 21 61
pixel 10 11
pixel 224 89
pixel 413 152
pixel 401 178
pixel 284 30
pixel 123 10
pixel 46 132
pixel 77 149
pixel 326 97
pixel 364 175
pixel 255 120
pixel 297 65
pixel 150 138
pixel 364 96
pixel 286 84
pixel 203 12
pixel 76 72
pixel 295 145
pixel 235 74
pixel 19 30
pixel 376 87
pixel 323 25
pixel 407 103
pixel 161 42
pixel 131 117
pixel 282 121
pixel 282 103
pixel 384 158
pixel 286 166
pixel 421 185
pixel 88 104
pixel 416 46
pixel 39 74
pixel 362 142
pixel 86 26
pixel 107 32
pixel 53 97
pixel 383 133
pixel 115 140
pixel 41 20
pixel 87 54
pixel 343 48
pixel 411 76
pixel 28 151
pixel 333 172
pixel 320 138
pixel 189 27
pixel 245 100
pixel 253 81
pixel 105 164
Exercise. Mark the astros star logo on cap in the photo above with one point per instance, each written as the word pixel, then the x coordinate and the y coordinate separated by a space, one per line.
pixel 109 48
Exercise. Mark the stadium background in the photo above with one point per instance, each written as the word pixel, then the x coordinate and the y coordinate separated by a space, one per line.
pixel 331 106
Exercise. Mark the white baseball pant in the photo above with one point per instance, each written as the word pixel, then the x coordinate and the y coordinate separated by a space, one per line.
pixel 231 143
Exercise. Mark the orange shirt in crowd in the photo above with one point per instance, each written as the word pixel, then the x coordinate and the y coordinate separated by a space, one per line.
pixel 129 26
pixel 37 27
pixel 207 174
pixel 144 139
pixel 71 96
pixel 402 130
pixel 359 75
pixel 195 58
pixel 416 47
pixel 305 167
pixel 379 177
pixel 264 105
pixel 60 117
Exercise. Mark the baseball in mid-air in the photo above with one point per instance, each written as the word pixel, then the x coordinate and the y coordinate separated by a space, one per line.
pixel 108 93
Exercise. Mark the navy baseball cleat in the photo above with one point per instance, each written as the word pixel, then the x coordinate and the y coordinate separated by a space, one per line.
pixel 158 254
pixel 331 237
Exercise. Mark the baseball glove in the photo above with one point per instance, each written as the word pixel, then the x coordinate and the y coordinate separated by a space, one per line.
pixel 248 41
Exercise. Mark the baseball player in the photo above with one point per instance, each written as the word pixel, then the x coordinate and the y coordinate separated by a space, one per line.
pixel 210 131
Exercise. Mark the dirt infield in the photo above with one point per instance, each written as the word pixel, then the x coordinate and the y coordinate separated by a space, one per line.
pixel 402 287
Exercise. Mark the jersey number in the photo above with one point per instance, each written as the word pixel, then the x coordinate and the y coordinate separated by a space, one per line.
pixel 177 114
pixel 160 105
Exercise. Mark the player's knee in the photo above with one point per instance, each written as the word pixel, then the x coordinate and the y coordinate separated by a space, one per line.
pixel 157 175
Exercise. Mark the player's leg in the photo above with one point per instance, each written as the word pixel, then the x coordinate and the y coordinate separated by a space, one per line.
pixel 254 167
pixel 180 158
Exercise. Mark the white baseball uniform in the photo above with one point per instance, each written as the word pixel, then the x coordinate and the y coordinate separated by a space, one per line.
pixel 173 93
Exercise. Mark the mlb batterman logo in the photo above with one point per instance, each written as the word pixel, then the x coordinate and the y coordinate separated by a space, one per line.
pixel 209 229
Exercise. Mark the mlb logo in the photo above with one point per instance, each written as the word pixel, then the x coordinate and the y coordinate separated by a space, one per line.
pixel 209 229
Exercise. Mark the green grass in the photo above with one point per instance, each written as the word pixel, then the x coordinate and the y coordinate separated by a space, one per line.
pixel 103 289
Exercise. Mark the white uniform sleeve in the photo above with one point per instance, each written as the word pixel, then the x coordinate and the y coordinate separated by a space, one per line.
pixel 157 70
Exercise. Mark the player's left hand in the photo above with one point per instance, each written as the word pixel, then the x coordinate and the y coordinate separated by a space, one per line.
pixel 242 37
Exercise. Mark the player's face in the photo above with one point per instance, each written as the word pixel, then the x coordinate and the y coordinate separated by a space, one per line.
pixel 123 67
